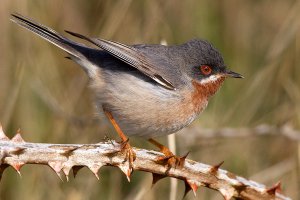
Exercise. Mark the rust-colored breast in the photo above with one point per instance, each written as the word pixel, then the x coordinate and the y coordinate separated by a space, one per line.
pixel 202 92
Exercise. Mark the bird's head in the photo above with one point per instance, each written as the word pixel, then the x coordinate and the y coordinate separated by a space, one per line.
pixel 206 67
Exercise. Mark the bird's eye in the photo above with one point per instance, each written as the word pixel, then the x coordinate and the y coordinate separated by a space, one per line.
pixel 205 70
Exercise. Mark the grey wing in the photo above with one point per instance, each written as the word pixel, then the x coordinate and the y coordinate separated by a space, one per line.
pixel 132 56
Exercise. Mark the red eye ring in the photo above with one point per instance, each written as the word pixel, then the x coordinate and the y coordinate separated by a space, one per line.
pixel 206 70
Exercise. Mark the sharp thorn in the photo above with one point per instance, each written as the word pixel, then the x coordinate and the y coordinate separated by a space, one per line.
pixel 214 169
pixel 57 167
pixel 186 190
pixel 2 134
pixel 68 152
pixel 76 169
pixel 66 170
pixel 156 178
pixel 17 151
pixel 274 189
pixel 18 137
pixel 182 159
pixel 95 168
pixel 126 169
pixel 59 176
pixel 193 186
pixel 17 167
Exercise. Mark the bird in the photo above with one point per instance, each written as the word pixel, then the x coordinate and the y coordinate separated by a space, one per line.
pixel 145 90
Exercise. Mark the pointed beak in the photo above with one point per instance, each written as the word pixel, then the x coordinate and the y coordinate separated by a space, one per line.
pixel 232 74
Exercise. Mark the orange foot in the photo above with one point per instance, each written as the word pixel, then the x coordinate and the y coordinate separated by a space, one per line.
pixel 169 159
pixel 128 151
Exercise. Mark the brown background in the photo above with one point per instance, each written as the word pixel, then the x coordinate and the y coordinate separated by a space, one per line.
pixel 48 98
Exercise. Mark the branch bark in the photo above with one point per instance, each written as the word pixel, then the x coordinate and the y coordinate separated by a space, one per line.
pixel 62 158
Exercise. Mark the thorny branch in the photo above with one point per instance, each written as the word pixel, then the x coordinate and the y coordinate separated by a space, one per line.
pixel 62 158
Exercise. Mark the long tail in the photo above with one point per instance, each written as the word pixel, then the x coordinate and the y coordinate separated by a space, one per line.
pixel 78 52
pixel 48 34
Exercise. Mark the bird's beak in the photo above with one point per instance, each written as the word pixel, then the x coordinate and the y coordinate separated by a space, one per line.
pixel 232 74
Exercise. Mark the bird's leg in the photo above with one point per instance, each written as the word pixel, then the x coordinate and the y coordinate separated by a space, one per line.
pixel 126 147
pixel 169 159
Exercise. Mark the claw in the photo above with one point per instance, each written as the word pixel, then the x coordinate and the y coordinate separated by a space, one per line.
pixel 171 160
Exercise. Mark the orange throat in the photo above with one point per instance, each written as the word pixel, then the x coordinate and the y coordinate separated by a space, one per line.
pixel 203 91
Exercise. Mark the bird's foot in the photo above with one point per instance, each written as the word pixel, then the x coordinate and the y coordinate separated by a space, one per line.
pixel 127 164
pixel 130 155
pixel 169 158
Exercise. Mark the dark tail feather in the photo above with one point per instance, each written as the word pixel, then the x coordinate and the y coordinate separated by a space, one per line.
pixel 83 37
pixel 48 34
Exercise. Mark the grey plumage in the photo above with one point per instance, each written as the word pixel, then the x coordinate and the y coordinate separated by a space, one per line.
pixel 147 88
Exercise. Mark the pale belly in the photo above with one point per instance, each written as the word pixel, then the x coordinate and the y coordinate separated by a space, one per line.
pixel 145 109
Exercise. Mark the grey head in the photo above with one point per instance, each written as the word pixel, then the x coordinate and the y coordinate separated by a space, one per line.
pixel 196 60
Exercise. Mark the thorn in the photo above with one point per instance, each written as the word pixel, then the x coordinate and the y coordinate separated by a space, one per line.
pixel 18 137
pixel 2 168
pixel 17 151
pixel 17 167
pixel 156 178
pixel 2 134
pixel 192 185
pixel 68 151
pixel 126 169
pixel 214 169
pixel 274 189
pixel 57 167
pixel 59 176
pixel 66 169
pixel 95 168
pixel 187 189
pixel 226 193
pixel 182 159
pixel 76 169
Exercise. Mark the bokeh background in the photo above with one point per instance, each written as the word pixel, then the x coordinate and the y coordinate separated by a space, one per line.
pixel 47 96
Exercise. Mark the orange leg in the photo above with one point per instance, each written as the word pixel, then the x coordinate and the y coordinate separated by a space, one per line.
pixel 169 159
pixel 115 125
pixel 126 146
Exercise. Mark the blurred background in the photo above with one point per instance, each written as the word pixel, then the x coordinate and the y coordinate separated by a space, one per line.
pixel 252 124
